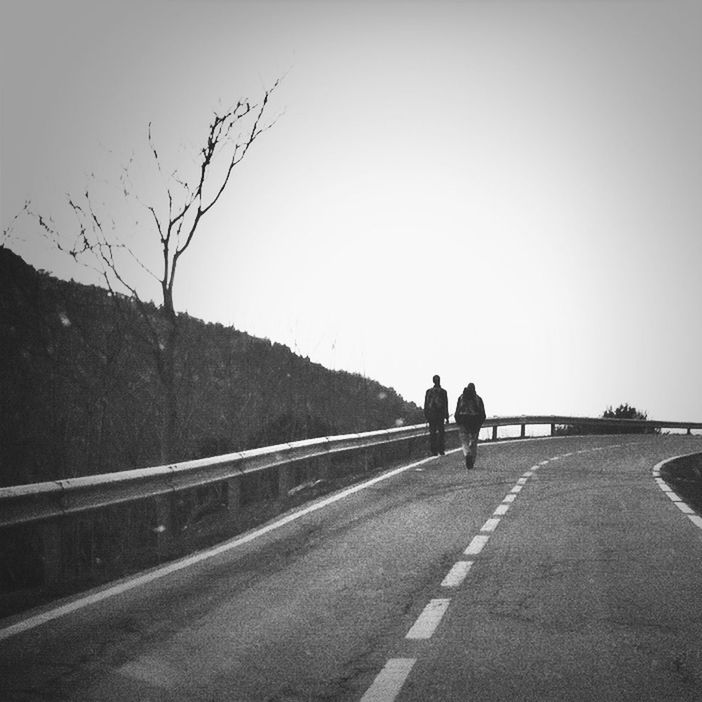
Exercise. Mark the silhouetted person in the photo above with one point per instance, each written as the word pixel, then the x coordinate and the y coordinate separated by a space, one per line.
pixel 436 413
pixel 470 415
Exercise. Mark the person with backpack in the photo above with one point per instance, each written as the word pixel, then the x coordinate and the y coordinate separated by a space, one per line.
pixel 436 412
pixel 469 416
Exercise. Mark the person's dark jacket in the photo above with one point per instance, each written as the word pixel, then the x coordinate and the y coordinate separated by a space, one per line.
pixel 436 404
pixel 470 411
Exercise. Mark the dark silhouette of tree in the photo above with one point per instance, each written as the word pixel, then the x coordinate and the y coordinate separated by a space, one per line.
pixel 174 224
pixel 624 411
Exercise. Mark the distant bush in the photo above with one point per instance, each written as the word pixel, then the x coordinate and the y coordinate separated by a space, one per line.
pixel 624 411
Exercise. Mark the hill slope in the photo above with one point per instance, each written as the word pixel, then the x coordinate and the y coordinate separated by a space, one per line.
pixel 79 394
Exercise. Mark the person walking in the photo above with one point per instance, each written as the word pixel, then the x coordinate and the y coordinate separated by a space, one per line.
pixel 469 416
pixel 436 412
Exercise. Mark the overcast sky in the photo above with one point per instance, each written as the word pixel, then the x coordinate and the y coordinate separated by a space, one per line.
pixel 499 192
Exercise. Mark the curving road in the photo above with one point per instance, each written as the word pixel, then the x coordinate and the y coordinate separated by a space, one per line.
pixel 558 569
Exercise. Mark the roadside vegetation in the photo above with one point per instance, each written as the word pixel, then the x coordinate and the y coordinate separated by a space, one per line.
pixel 623 411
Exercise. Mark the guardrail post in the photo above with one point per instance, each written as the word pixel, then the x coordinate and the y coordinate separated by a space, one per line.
pixel 553 430
pixel 164 523
pixel 284 480
pixel 234 499
pixel 50 535
pixel 523 432
pixel 324 464
pixel 494 433
pixel 689 431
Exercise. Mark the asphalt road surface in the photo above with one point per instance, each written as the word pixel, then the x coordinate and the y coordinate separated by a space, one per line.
pixel 557 569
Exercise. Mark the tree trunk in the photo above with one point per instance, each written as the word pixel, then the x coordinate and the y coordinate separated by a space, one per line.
pixel 167 376
pixel 169 409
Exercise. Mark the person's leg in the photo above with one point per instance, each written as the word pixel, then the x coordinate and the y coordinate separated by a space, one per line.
pixel 433 438
pixel 474 444
pixel 441 444
pixel 464 435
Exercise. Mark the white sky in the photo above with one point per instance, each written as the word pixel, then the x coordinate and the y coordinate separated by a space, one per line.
pixel 500 192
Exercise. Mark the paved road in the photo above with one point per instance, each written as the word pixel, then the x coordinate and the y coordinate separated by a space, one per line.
pixel 557 570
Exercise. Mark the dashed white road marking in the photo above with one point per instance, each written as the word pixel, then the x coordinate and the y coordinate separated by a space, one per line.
pixel 490 524
pixel 684 508
pixel 429 619
pixel 476 545
pixel 695 519
pixel 389 681
pixel 457 574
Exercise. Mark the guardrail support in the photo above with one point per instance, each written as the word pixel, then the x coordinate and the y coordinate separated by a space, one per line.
pixel 553 430
pixel 523 431
pixel 494 433
pixel 234 499
pixel 284 480
pixel 50 534
pixel 164 523
pixel 324 467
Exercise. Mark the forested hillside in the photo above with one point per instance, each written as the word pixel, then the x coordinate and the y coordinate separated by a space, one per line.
pixel 79 392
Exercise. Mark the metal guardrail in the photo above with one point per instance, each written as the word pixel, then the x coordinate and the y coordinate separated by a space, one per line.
pixel 95 528
pixel 26 503
pixel 40 501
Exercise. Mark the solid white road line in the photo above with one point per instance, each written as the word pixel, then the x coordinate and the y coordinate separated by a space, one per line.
pixel 429 619
pixel 476 545
pixel 175 566
pixel 457 574
pixel 389 680
pixel 676 499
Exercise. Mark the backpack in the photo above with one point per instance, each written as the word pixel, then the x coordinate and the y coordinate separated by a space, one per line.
pixel 469 412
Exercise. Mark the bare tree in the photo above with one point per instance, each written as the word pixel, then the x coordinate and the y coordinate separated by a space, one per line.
pixel 174 224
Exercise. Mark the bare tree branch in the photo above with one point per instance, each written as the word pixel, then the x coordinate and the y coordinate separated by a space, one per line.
pixel 229 136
